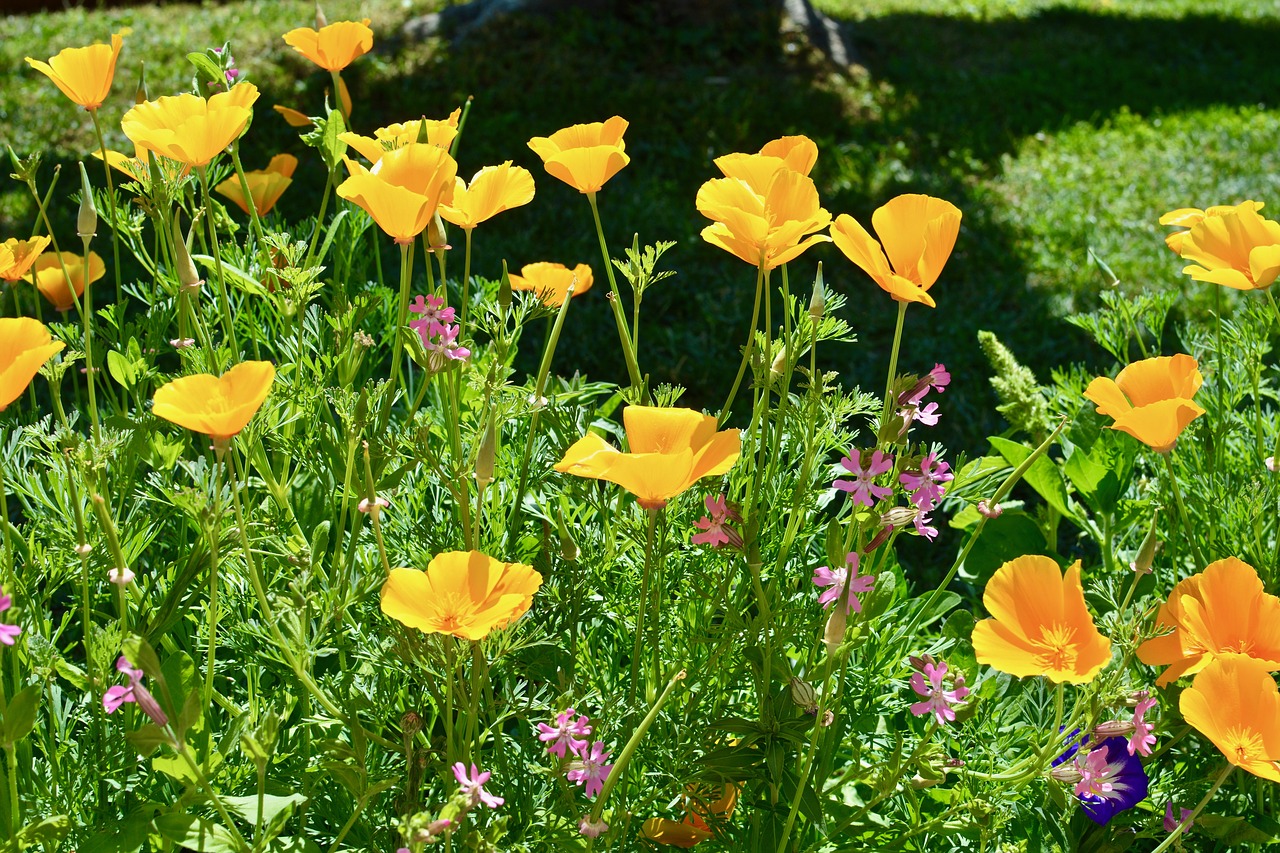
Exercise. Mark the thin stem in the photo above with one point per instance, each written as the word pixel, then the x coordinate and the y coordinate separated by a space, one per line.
pixel 254 221
pixel 111 206
pixel 402 313
pixel 893 365
pixel 1183 824
pixel 746 353
pixel 615 302
pixel 9 567
pixel 642 616
pixel 212 530
pixel 86 317
pixel 466 285
pixel 1182 510
pixel 228 326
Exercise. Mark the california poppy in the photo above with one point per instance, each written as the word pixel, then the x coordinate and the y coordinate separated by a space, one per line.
pixel 584 156
pixel 218 406
pixel 1186 218
pixel 551 281
pixel 1234 703
pixel 1151 399
pixel 918 233
pixel 1221 610
pixel 84 74
pixel 670 450
pixel 463 593
pixel 1039 624
pixel 1237 249
pixel 293 117
pixel 25 345
pixel 797 153
pixel 265 185
pixel 56 287
pixel 188 128
pixel 335 46
pixel 437 132
pixel 18 256
pixel 493 189
pixel 694 829
pixel 403 189
pixel 764 229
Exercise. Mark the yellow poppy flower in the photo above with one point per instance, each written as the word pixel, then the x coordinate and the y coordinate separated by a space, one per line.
pixel 217 406
pixel 673 834
pixel 797 153
pixel 1221 610
pixel 764 229
pixel 403 189
pixel 694 829
pixel 1237 249
pixel 293 117
pixel 492 190
pixel 265 185
pixel 1186 218
pixel 463 593
pixel 669 451
pixel 1151 399
pixel 25 345
pixel 584 156
pixel 918 233
pixel 551 281
pixel 48 277
pixel 84 74
pixel 18 256
pixel 1234 703
pixel 437 132
pixel 188 128
pixel 1039 624
pixel 334 47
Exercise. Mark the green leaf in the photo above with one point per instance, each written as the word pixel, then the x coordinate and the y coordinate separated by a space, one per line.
pixel 20 714
pixel 147 739
pixel 196 833
pixel 125 836
pixel 1012 534
pixel 206 66
pixel 121 369
pixel 1235 830
pixel 273 806
pixel 1043 475
pixel 139 653
pixel 48 832
pixel 179 770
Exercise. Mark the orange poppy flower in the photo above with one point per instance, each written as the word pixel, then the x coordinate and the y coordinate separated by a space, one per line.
pixel 463 593
pixel 1151 399
pixel 84 74
pixel 693 829
pixel 1039 624
pixel 551 281
pixel 1187 218
pixel 265 185
pixel 437 132
pixel 334 47
pixel 918 233
pixel 18 256
pixel 403 189
pixel 1234 703
pixel 188 128
pixel 1237 249
pixel 673 834
pixel 584 156
pixel 218 406
pixel 797 153
pixel 492 190
pixel 25 345
pixel 293 117
pixel 1221 610
pixel 670 450
pixel 56 287
pixel 764 229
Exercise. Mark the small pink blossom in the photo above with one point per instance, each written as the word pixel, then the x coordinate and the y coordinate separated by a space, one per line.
pixel 1184 820
pixel 861 489
pixel 938 700
pixel 133 692
pixel 562 734
pixel 432 310
pixel 835 579
pixel 1095 775
pixel 927 415
pixel 589 769
pixel 936 379
pixel 1143 737
pixel 473 786
pixel 927 484
pixel 8 633
pixel 590 828
pixel 987 509
pixel 716 524
pixel 923 527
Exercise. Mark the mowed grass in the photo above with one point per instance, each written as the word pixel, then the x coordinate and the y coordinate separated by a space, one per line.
pixel 1054 126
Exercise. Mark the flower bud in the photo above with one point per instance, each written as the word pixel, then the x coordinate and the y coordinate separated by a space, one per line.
pixel 834 635
pixel 1113 728
pixel 779 362
pixel 803 694
pixel 1147 551
pixel 989 510
pixel 186 269
pixel 410 723
pixel 437 236
pixel 485 458
pixel 140 94
pixel 568 547
pixel 818 301
pixel 87 219
pixel 321 20
pixel 504 291
pixel 899 517
pixel 880 538
pixel 1067 773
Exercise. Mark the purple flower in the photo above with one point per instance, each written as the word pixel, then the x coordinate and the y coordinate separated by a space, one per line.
pixel 1111 780
pixel 834 580
pixel 561 735
pixel 1184 820
pixel 133 692
pixel 8 633
pixel 589 769
pixel 938 700
pixel 926 484
pixel 473 786
pixel 861 489
pixel 716 525
pixel 432 310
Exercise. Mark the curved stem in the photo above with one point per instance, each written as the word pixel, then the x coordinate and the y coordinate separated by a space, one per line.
pixel 1183 824
pixel 615 302
pixel 642 616
pixel 1182 510
pixel 893 365
pixel 746 353
pixel 111 206
pixel 228 325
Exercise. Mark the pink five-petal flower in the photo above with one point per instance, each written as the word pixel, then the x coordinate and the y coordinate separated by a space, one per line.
pixel 938 700
pixel 473 786
pixel 1143 738
pixel 834 580
pixel 936 380
pixel 120 694
pixel 8 633
pixel 927 485
pixel 561 735
pixel 861 489
pixel 715 525
pixel 590 770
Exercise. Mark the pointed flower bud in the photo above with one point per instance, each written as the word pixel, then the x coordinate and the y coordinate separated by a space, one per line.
pixel 818 301
pixel 485 458
pixel 1147 551
pixel 87 219
pixel 186 269
pixel 140 94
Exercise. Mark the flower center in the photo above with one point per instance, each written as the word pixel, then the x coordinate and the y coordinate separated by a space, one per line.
pixel 1058 653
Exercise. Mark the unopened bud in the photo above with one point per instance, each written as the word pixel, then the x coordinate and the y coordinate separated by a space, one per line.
pixel 803 694
pixel 1067 773
pixel 410 723
pixel 880 538
pixel 188 278
pixel 834 635
pixel 989 510
pixel 818 301
pixel 504 290
pixel 485 458
pixel 1147 551
pixel 568 547
pixel 84 549
pixel 779 362
pixel 375 506
pixel 437 235
pixel 87 219
pixel 140 94
pixel 899 516
pixel 121 577
pixel 1113 728
pixel 149 705
pixel 321 20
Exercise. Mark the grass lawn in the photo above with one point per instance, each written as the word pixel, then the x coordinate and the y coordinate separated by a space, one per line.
pixel 1054 126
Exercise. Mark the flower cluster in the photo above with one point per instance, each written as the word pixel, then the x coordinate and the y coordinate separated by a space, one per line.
pixel 586 763
pixel 438 331
pixel 715 526
pixel 931 682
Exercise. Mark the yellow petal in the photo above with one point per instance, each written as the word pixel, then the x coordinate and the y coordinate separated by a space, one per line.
pixel 25 345
pixel 335 46
pixel 219 407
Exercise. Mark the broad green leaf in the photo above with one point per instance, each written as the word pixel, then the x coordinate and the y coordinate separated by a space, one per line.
pixel 121 369
pixel 206 66
pixel 1011 535
pixel 20 714
pixel 272 806
pixel 1043 475
pixel 196 833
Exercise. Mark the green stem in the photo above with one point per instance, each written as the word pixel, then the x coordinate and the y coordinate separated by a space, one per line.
pixel 402 313
pixel 254 221
pixel 1182 510
pixel 642 615
pixel 315 235
pixel 227 821
pixel 228 325
pixel 746 353
pixel 615 302
pixel 451 658
pixel 1182 825
pixel 9 567
pixel 111 207
pixel 15 807
pixel 212 531
pixel 86 320
pixel 375 510
pixel 893 367
pixel 466 285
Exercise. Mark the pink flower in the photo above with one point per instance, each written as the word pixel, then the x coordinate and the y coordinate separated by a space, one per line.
pixel 938 700
pixel 716 524
pixel 861 489
pixel 590 828
pixel 473 786
pixel 8 633
pixel 432 311
pixel 1184 819
pixel 926 484
pixel 590 770
pixel 921 522
pixel 134 692
pixel 562 733
pixel 834 580
pixel 1143 738
pixel 936 379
